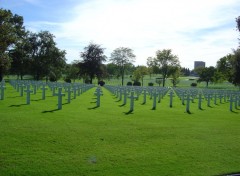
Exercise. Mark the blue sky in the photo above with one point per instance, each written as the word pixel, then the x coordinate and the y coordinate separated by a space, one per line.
pixel 203 30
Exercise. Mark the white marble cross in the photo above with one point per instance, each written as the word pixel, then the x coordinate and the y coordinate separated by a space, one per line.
pixel 60 95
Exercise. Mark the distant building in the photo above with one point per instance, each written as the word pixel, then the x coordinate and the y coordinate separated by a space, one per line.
pixel 198 64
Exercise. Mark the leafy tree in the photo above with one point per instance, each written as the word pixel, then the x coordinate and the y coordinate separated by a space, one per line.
pixel 72 71
pixel 175 73
pixel 218 77
pixel 236 60
pixel 46 59
pixel 122 57
pixel 129 69
pixel 11 29
pixel 93 58
pixel 112 70
pixel 206 74
pixel 185 71
pixel 238 23
pixel 20 58
pixel 152 68
pixel 229 66
pixel 236 68
pixel 165 60
pixel 224 67
pixel 139 73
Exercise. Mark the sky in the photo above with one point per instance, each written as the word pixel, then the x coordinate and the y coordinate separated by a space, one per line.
pixel 195 30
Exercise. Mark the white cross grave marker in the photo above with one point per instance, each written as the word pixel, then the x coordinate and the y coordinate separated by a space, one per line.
pixel 60 95
pixel 132 98
pixel 28 91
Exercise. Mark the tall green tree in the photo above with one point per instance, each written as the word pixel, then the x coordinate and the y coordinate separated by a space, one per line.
pixel 238 24
pixel 72 71
pixel 175 73
pixel 139 73
pixel 11 29
pixel 46 59
pixel 224 66
pixel 152 68
pixel 235 79
pixel 122 57
pixel 165 60
pixel 20 58
pixel 206 74
pixel 93 58
pixel 112 70
pixel 236 60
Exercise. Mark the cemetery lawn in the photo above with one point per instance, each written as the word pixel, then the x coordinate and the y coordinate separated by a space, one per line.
pixel 82 139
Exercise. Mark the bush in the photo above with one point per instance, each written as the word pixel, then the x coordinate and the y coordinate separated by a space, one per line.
pixel 150 84
pixel 101 83
pixel 52 77
pixel 194 84
pixel 129 83
pixel 136 83
pixel 68 80
pixel 87 81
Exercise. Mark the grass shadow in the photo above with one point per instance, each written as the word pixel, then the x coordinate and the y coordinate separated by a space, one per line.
pixel 14 97
pixel 95 107
pixel 129 112
pixel 37 100
pixel 118 100
pixel 17 105
pixel 143 103
pixel 189 112
pixel 235 112
pixel 50 111
pixel 122 105
pixel 154 108
pixel 201 109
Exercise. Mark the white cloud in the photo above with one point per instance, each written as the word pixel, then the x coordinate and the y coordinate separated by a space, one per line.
pixel 194 30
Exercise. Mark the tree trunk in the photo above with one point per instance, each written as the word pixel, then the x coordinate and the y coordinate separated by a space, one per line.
pixel 1 77
pixel 122 76
pixel 163 81
pixel 164 77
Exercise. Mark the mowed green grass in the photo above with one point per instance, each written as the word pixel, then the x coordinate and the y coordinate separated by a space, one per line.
pixel 80 139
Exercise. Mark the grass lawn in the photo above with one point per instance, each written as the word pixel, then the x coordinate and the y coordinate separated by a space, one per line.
pixel 80 139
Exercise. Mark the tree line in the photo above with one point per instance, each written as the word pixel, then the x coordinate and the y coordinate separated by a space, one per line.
pixel 23 52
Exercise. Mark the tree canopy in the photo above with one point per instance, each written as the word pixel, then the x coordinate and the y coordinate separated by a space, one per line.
pixel 206 74
pixel 236 68
pixel 165 61
pixel 121 57
pixel 11 29
pixel 45 58
pixel 93 58
pixel 140 72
